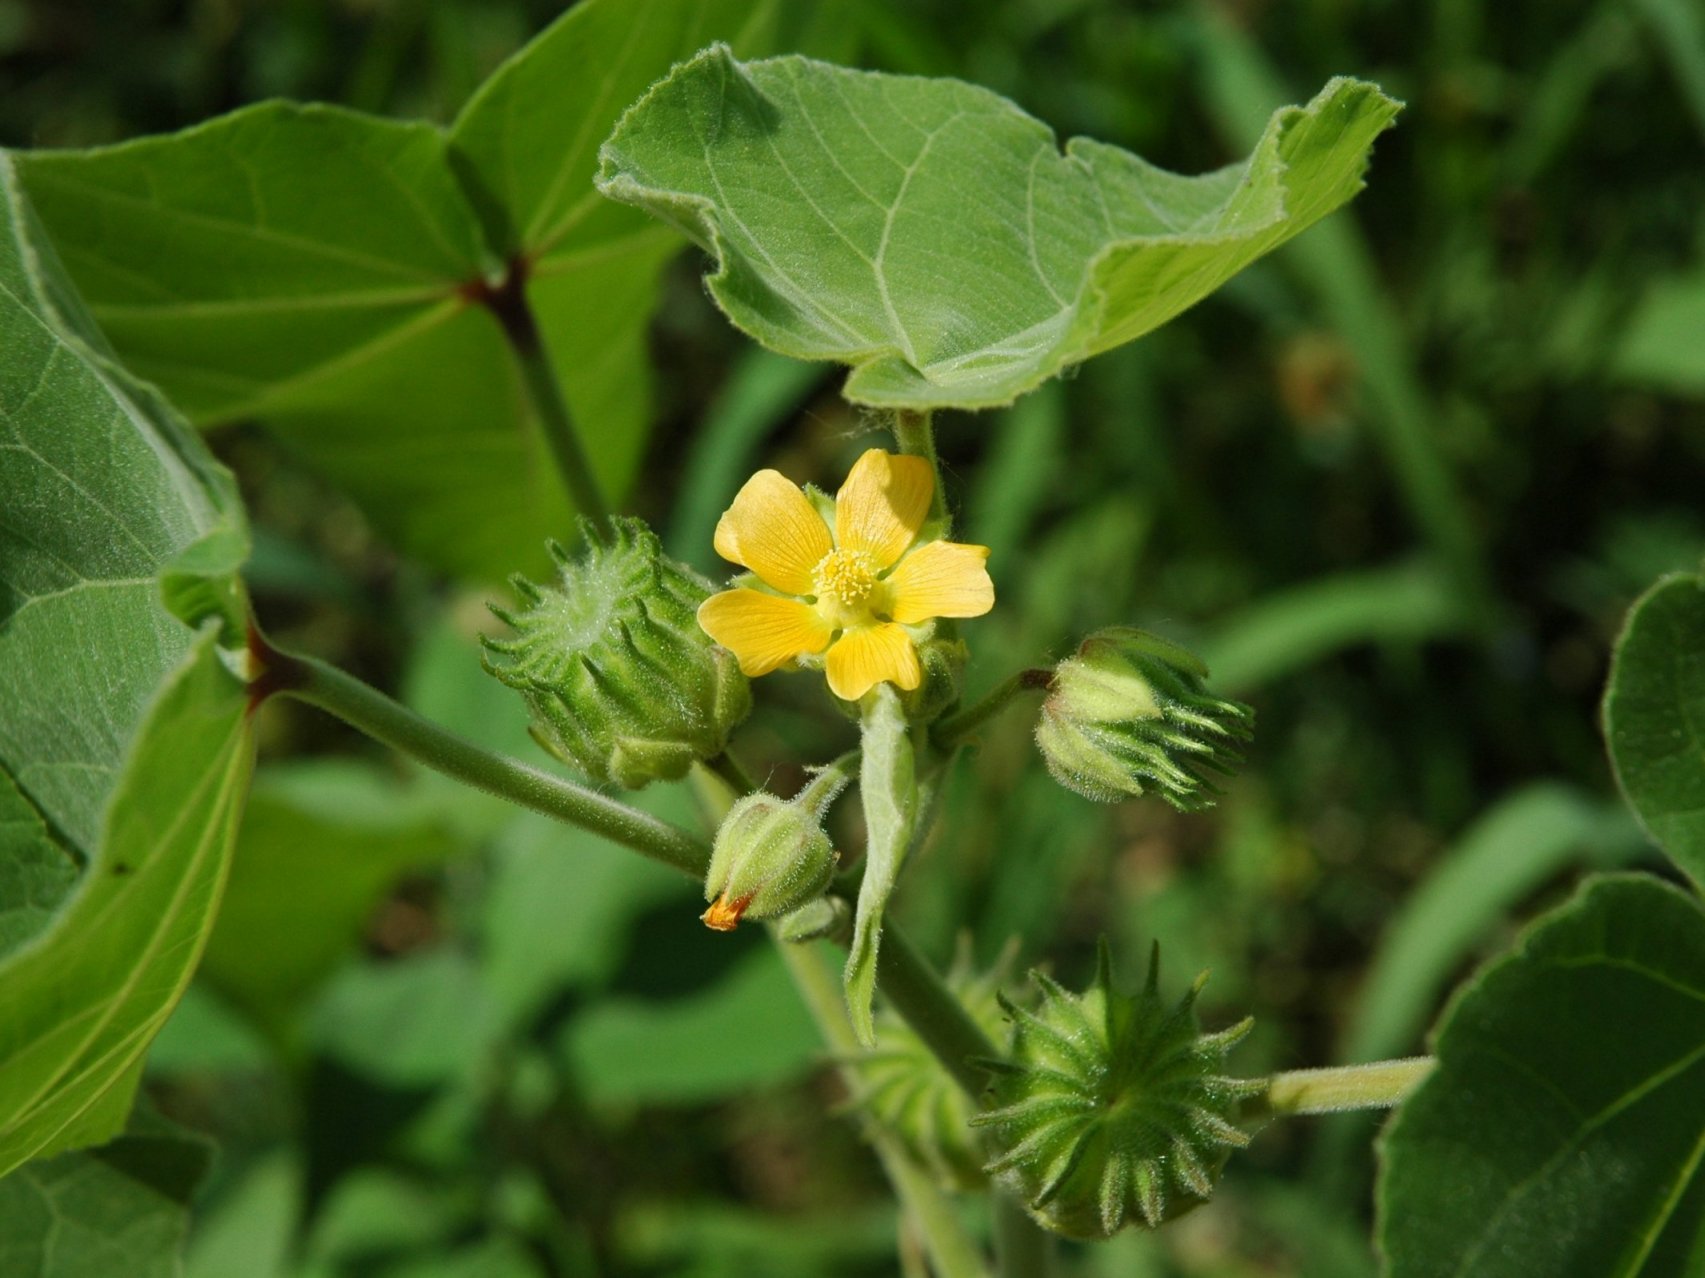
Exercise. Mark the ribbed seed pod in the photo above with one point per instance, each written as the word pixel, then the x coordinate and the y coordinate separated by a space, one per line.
pixel 1112 1110
pixel 1129 714
pixel 907 1091
pixel 621 681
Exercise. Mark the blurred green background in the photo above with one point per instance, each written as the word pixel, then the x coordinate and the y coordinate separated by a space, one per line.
pixel 1397 483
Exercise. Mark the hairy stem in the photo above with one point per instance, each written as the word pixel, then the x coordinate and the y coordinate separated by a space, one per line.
pixel 952 730
pixel 372 712
pixel 729 771
pixel 914 432
pixel 920 995
pixel 950 1249
pixel 1326 1091
pixel 507 301
pixel 1022 1248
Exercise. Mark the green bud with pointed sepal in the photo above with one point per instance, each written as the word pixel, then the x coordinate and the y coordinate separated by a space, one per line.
pixel 1129 715
pixel 621 681
pixel 1112 1110
pixel 772 856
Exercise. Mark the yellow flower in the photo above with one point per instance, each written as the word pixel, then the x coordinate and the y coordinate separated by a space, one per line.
pixel 854 591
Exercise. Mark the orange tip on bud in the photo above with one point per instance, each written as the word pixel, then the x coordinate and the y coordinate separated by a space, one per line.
pixel 724 915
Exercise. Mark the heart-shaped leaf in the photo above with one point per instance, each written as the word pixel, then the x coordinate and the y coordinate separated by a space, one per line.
pixel 123 739
pixel 935 237
pixel 1563 1132
pixel 1654 717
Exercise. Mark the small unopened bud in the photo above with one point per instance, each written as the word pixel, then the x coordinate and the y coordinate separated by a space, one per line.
pixel 1111 1110
pixel 621 681
pixel 941 658
pixel 771 856
pixel 1129 714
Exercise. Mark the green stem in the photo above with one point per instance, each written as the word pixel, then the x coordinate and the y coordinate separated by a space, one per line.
pixel 914 432
pixel 372 712
pixel 729 771
pixel 962 723
pixel 1022 1248
pixel 1327 1091
pixel 507 301
pixel 950 1249
pixel 827 783
pixel 929 1007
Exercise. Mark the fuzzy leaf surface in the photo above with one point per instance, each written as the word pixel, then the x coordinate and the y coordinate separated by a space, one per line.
pixel 123 739
pixel 1654 717
pixel 1563 1132
pixel 936 238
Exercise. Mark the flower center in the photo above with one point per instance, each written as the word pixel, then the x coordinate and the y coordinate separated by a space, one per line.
pixel 846 576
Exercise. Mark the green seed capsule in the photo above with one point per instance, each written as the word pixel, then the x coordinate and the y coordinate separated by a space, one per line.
pixel 1111 1110
pixel 1129 714
pixel 621 681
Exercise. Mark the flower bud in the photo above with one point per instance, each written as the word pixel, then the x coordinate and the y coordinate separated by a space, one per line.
pixel 1111 1110
pixel 907 1091
pixel 941 659
pixel 770 857
pixel 1129 714
pixel 621 681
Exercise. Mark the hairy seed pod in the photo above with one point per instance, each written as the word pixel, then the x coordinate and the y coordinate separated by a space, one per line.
pixel 621 681
pixel 908 1092
pixel 1128 714
pixel 1112 1110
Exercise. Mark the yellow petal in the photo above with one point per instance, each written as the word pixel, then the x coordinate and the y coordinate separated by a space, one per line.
pixel 941 579
pixel 868 655
pixel 772 529
pixel 883 504
pixel 761 630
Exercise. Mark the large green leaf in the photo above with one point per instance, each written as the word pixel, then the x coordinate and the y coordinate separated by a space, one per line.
pixel 36 873
pixel 934 236
pixel 1654 716
pixel 1563 1132
pixel 320 270
pixel 123 738
pixel 119 1209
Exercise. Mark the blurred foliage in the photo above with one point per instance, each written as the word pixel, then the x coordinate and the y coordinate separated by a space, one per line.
pixel 1398 483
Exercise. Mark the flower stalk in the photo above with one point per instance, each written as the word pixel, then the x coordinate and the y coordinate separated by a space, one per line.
pixel 1335 1089
pixel 370 711
pixel 956 727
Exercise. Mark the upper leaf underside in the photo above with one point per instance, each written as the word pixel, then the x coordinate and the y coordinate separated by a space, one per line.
pixel 123 739
pixel 934 236
pixel 320 270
